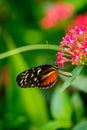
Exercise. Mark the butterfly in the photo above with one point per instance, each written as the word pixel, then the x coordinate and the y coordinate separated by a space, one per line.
pixel 44 76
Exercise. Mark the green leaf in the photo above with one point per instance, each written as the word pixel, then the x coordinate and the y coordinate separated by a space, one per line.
pixel 32 101
pixel 61 107
pixel 79 108
pixel 53 125
pixel 68 81
pixel 80 83
pixel 81 126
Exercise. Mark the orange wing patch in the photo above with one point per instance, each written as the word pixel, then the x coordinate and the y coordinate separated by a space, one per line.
pixel 49 79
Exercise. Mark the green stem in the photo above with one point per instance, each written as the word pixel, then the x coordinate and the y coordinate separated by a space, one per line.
pixel 10 44
pixel 69 81
pixel 28 48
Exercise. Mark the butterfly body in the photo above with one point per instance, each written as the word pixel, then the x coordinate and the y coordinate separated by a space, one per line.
pixel 44 76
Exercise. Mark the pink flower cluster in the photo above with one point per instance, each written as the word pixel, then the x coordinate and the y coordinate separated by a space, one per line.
pixel 56 12
pixel 75 47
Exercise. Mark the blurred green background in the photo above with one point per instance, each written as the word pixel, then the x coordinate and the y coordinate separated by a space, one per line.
pixel 42 22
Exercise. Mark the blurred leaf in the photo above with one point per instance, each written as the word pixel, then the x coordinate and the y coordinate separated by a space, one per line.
pixel 80 83
pixel 33 101
pixel 35 106
pixel 53 125
pixel 14 115
pixel 61 107
pixel 68 80
pixel 81 126
pixel 78 106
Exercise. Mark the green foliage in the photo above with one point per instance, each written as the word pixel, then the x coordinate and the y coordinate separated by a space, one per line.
pixel 78 106
pixel 32 102
pixel 81 126
pixel 80 86
pixel 68 82
pixel 61 108
pixel 53 125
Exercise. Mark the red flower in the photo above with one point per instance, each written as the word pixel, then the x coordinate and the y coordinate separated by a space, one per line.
pixel 80 20
pixel 80 30
pixel 84 48
pixel 67 40
pixel 75 58
pixel 55 13
pixel 75 51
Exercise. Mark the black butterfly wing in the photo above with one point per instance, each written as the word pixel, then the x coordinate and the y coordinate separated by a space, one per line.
pixel 42 77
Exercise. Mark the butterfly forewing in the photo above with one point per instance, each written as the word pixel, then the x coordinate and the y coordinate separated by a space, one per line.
pixel 43 76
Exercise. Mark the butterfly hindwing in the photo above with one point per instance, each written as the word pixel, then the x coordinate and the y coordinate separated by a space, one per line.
pixel 49 79
pixel 42 77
